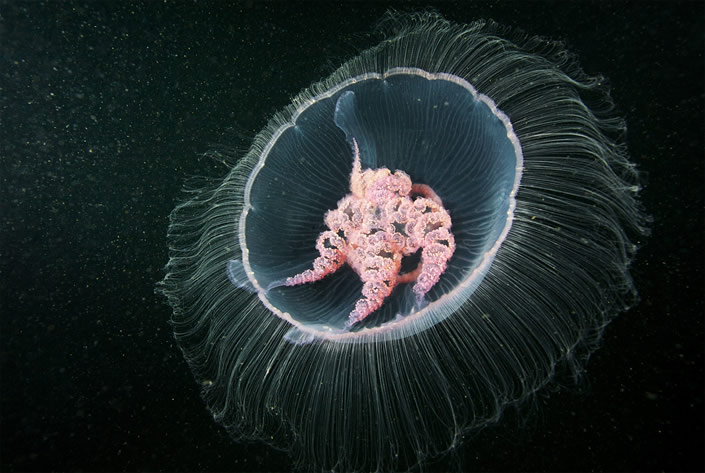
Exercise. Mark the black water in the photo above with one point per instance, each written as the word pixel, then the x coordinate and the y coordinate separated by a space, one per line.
pixel 105 109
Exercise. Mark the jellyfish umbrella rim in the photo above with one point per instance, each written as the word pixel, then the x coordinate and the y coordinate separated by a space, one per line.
pixel 414 322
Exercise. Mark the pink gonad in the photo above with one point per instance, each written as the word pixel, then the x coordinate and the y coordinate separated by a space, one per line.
pixel 374 227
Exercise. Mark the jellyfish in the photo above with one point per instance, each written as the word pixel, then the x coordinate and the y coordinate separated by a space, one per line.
pixel 413 245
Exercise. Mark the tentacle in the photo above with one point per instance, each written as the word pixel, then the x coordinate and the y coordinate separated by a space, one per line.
pixel 374 292
pixel 427 192
pixel 434 261
pixel 332 249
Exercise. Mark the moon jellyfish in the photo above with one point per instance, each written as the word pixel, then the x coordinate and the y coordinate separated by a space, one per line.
pixel 414 244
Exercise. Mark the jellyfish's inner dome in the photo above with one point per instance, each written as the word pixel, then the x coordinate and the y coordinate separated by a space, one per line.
pixel 434 127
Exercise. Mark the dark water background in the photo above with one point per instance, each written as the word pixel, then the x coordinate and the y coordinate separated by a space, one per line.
pixel 105 109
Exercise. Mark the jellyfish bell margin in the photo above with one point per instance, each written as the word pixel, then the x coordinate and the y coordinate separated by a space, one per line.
pixel 400 226
pixel 527 156
pixel 431 111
